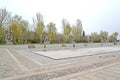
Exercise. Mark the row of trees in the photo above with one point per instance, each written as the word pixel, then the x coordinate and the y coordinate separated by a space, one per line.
pixel 22 34
pixel 104 37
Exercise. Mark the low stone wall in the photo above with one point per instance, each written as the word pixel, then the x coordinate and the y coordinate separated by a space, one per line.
pixel 31 46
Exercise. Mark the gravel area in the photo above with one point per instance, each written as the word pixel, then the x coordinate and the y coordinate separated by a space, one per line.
pixel 55 74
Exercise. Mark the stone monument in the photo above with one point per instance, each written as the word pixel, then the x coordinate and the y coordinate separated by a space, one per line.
pixel 46 41
pixel 9 38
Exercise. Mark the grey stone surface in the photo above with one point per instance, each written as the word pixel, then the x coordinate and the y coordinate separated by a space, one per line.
pixel 17 62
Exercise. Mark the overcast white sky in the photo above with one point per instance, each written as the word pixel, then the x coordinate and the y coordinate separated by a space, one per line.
pixel 95 15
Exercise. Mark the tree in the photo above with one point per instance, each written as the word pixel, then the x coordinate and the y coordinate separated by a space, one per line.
pixel 39 26
pixel 4 18
pixel 66 31
pixel 104 35
pixel 14 28
pixel 95 37
pixel 19 29
pixel 79 30
pixel 24 30
pixel 115 35
pixel 60 38
pixel 31 37
pixel 111 38
pixel 51 29
pixel 2 35
pixel 74 33
pixel 4 23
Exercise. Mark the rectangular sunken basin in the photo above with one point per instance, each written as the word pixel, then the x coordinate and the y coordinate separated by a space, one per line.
pixel 72 53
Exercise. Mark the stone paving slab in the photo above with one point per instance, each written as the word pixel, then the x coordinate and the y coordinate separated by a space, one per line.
pixel 27 63
pixel 110 73
pixel 93 74
pixel 105 77
pixel 79 78
pixel 91 77
pixel 8 66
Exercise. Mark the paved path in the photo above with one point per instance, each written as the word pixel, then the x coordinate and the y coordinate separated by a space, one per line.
pixel 19 63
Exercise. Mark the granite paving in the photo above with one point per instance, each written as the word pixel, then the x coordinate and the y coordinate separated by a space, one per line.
pixel 91 62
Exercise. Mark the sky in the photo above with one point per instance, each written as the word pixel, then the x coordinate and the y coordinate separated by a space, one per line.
pixel 96 15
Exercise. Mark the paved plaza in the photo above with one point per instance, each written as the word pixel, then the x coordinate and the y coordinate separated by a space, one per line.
pixel 91 62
